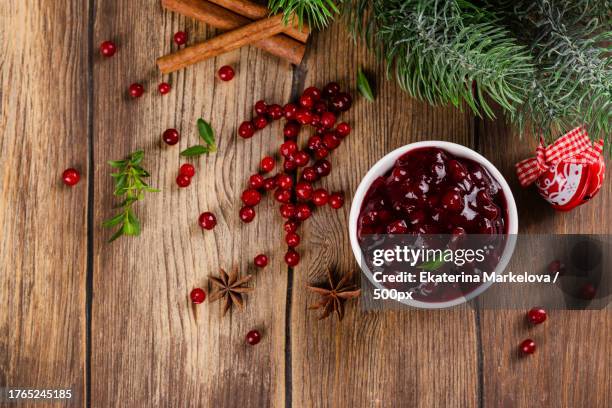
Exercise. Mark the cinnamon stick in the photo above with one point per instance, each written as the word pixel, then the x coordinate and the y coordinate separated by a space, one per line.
pixel 222 43
pixel 256 11
pixel 223 19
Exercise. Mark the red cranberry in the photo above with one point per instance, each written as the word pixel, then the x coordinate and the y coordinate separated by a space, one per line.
pixel 253 337
pixel 291 130
pixel 315 120
pixel 282 196
pixel 322 167
pixel 457 171
pixel 180 38
pixel 336 200
pixel 289 111
pixel 246 129
pixel 287 210
pixel 310 174
pixel 247 214
pixel 452 201
pixel 303 190
pixel 313 92
pixel 397 227
pixel 292 239
pixel 187 170
pixel 331 89
pixel 226 73
pixel 269 183
pixel 491 211
pixel 289 165
pixel 320 197
pixel 588 291
pixel 197 296
pixel 284 181
pixel 341 102
pixel 288 148
pixel 321 153
pixel 331 140
pixel 136 90
pixel 554 267
pixel 256 181
pixel 108 48
pixel 164 88
pixel 291 226
pixel 251 197
pixel 320 107
pixel 306 101
pixel 301 158
pixel 70 177
pixel 171 136
pixel 303 116
pixel 207 220
pixel 261 108
pixel 261 261
pixel 343 129
pixel 292 258
pixel 183 181
pixel 260 122
pixel 267 164
pixel 528 346
pixel 275 111
pixel 536 315
pixel 314 143
pixel 302 212
pixel 328 119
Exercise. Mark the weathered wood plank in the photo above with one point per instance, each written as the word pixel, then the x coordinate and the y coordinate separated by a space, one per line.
pixel 571 366
pixel 146 334
pixel 401 358
pixel 43 223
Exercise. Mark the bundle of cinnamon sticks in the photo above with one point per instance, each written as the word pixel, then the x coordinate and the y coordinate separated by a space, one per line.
pixel 244 22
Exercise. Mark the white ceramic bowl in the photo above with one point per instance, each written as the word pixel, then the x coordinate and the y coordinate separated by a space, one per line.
pixel 385 164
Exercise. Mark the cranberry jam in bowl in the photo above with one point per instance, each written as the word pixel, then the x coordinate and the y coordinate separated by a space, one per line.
pixel 433 189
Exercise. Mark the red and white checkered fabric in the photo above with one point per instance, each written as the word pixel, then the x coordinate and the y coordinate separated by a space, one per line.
pixel 573 147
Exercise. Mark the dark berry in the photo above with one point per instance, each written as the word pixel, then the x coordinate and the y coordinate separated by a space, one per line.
pixel 320 197
pixel 256 181
pixel 267 164
pixel 171 136
pixel 302 212
pixel 207 220
pixel 269 183
pixel 321 153
pixel 331 140
pixel 314 143
pixel 70 177
pixel 247 214
pixel 289 110
pixel 291 130
pixel 288 148
pixel 320 107
pixel 336 200
pixel 183 181
pixel 187 170
pixel 136 90
pixel 343 129
pixel 331 89
pixel 292 239
pixel 260 122
pixel 284 181
pixel 306 101
pixel 226 73
pixel 341 102
pixel 108 48
pixel 289 165
pixel 197 296
pixel 313 92
pixel 291 226
pixel 164 88
pixel 528 346
pixel 303 190
pixel 287 210
pixel 253 337
pixel 322 167
pixel 180 38
pixel 328 119
pixel 536 315
pixel 246 129
pixel 282 196
pixel 261 260
pixel 301 158
pixel 275 112
pixel 251 197
pixel 261 108
pixel 310 174
pixel 292 258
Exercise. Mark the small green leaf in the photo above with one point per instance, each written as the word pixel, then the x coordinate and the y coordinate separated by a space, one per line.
pixel 117 164
pixel 432 265
pixel 116 235
pixel 116 220
pixel 137 157
pixel 206 132
pixel 364 86
pixel 195 151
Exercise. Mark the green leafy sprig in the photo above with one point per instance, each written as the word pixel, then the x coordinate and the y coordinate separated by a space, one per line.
pixel 364 86
pixel 207 134
pixel 129 184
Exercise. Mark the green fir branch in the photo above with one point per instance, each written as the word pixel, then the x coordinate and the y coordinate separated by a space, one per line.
pixel 318 13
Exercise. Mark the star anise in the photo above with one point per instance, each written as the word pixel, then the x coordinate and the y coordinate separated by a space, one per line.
pixel 333 297
pixel 229 287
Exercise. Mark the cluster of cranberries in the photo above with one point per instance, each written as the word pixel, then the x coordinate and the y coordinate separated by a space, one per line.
pixel 292 186
pixel 186 172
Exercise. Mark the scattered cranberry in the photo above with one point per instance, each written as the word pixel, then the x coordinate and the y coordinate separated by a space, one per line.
pixel 275 111
pixel 136 90
pixel 528 346
pixel 261 108
pixel 164 88
pixel 226 73
pixel 269 183
pixel 289 165
pixel 303 190
pixel 341 102
pixel 292 258
pixel 247 214
pixel 256 181
pixel 253 337
pixel 536 315
pixel 291 130
pixel 331 89
pixel 289 111
pixel 261 261
pixel 331 140
pixel 314 143
pixel 310 174
pixel 343 129
pixel 260 122
pixel 306 101
pixel 246 129
pixel 321 153
pixel 251 197
pixel 197 296
pixel 108 48
pixel 282 196
pixel 207 220
pixel 302 212
pixel 304 117
pixel 187 170
pixel 70 177
pixel 284 181
pixel 291 226
pixel 328 119
pixel 315 121
pixel 322 167
pixel 554 267
pixel 171 136
pixel 287 210
pixel 180 38
pixel 313 92
pixel 183 181
pixel 292 239
pixel 587 291
pixel 288 148
pixel 336 200
pixel 267 164
pixel 301 158
pixel 320 197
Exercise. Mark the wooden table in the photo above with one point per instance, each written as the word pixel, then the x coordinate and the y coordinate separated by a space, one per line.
pixel 113 321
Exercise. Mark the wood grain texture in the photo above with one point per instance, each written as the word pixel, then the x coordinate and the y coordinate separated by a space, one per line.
pixel 387 359
pixel 571 367
pixel 150 345
pixel 43 223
